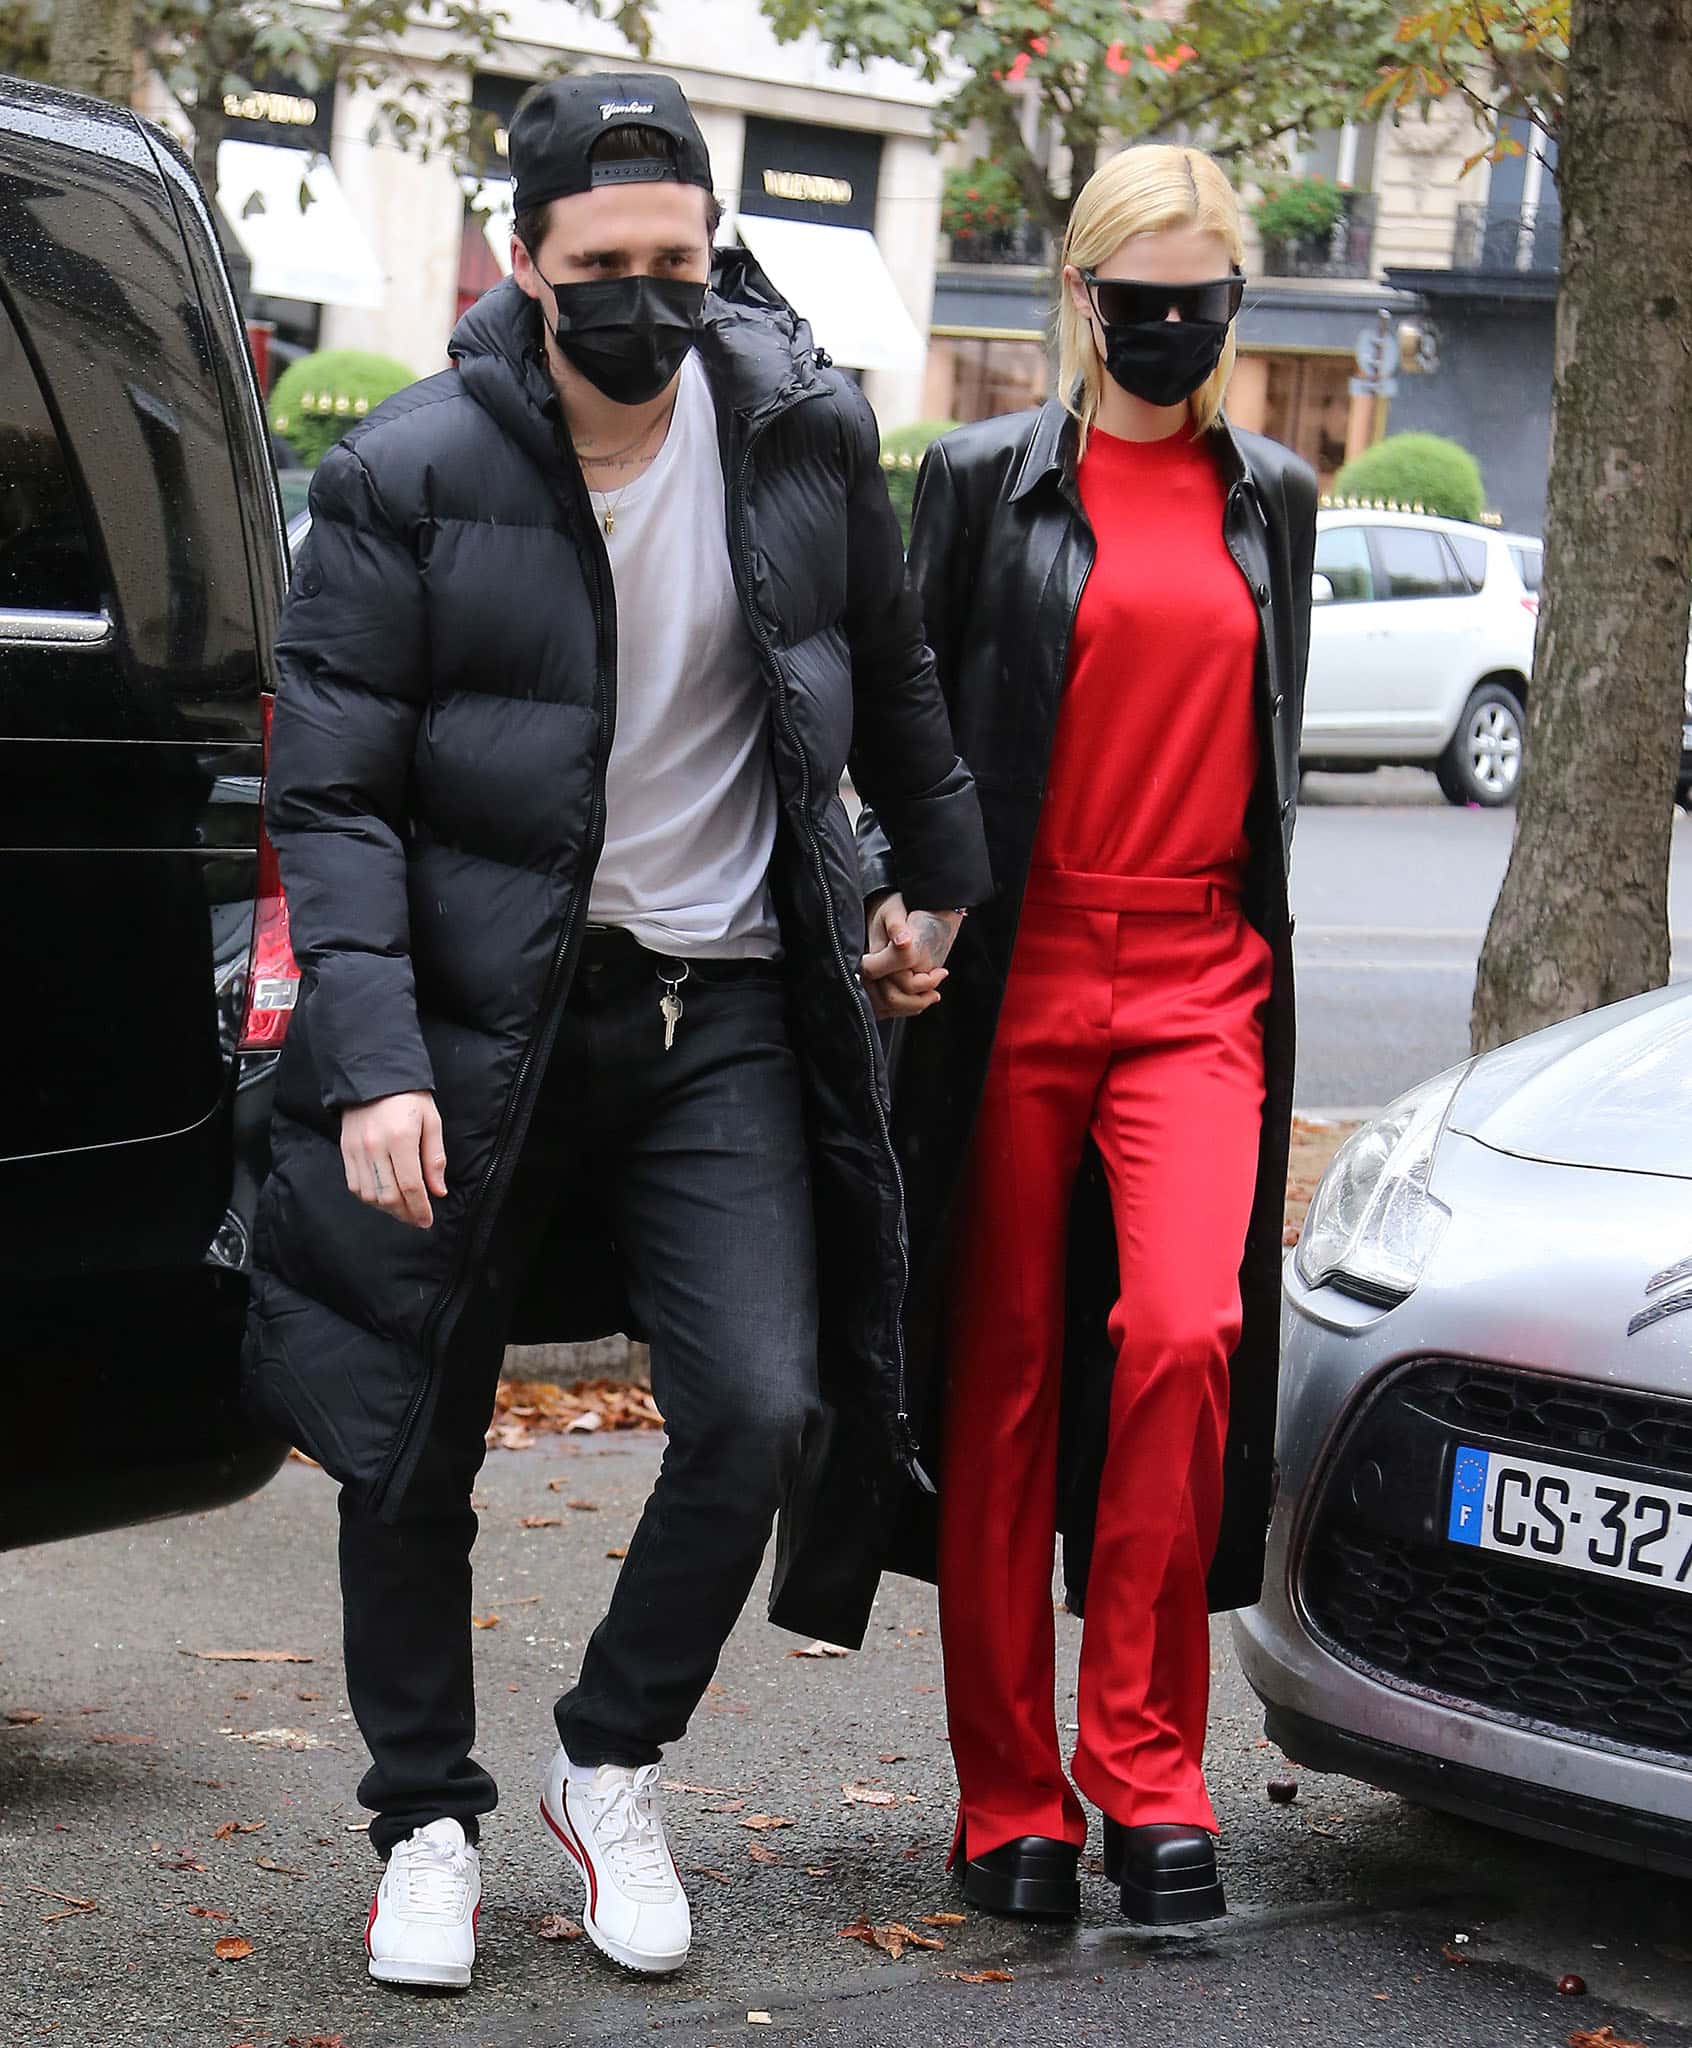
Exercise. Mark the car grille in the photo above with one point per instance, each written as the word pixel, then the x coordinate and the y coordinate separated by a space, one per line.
pixel 1601 1662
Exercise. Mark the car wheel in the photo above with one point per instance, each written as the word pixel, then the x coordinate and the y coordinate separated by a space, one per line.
pixel 1483 761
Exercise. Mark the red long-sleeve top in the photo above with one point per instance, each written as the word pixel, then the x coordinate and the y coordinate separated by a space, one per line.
pixel 1156 749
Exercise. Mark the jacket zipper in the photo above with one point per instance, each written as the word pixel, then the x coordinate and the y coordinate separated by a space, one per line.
pixel 904 1438
pixel 518 1102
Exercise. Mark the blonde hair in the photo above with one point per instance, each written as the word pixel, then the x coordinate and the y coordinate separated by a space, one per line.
pixel 1141 191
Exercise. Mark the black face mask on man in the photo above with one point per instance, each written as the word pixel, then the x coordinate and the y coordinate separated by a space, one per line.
pixel 628 335
pixel 1160 360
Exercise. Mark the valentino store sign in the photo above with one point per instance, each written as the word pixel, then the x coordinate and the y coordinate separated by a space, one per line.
pixel 797 171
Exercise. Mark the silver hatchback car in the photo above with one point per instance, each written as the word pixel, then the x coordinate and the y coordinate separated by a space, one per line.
pixel 1479 1590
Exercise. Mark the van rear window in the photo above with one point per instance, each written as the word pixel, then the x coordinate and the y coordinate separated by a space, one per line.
pixel 1530 565
pixel 46 561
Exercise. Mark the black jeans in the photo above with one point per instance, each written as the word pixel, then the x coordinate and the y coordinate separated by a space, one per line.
pixel 700 1155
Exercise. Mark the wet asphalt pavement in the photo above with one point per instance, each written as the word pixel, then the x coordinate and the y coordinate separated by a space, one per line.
pixel 1356 1918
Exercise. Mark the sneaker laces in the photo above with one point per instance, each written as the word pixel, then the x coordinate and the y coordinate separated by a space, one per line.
pixel 631 1833
pixel 436 1878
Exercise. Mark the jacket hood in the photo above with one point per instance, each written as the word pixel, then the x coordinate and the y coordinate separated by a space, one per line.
pixel 757 352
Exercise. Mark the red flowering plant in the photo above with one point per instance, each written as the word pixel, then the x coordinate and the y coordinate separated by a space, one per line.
pixel 980 199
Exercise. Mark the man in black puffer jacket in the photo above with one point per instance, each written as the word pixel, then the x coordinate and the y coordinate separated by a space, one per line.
pixel 586 631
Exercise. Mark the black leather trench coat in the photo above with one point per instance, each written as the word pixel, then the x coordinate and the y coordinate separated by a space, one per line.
pixel 1000 552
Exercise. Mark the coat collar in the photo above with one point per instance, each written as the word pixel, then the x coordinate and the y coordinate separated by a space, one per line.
pixel 1049 456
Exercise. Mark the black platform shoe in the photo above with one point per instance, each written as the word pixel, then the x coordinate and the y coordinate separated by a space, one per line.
pixel 1033 1878
pixel 1167 1873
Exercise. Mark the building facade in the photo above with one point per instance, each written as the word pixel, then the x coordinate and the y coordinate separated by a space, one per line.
pixel 830 178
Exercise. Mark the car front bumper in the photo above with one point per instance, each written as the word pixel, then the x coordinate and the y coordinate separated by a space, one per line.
pixel 1539 1274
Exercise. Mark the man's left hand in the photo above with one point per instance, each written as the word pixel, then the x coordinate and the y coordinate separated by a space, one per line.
pixel 906 961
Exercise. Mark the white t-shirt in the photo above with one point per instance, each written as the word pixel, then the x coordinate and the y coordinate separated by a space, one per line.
pixel 690 796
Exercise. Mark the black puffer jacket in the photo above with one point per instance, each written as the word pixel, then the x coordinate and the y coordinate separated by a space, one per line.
pixel 436 795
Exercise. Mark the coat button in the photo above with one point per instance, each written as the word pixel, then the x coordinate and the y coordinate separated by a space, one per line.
pixel 1279 704
pixel 1286 808
pixel 1263 593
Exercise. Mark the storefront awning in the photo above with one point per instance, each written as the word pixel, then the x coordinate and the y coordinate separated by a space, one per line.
pixel 837 279
pixel 290 215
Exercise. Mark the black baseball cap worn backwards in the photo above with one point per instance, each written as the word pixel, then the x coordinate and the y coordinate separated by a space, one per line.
pixel 557 125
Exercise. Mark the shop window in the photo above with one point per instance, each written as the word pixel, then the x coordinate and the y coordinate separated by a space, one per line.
pixel 1307 406
pixel 977 377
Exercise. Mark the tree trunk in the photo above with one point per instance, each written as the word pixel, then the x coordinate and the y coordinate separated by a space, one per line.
pixel 92 49
pixel 1582 918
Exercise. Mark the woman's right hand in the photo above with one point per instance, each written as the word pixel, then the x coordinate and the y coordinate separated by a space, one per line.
pixel 395 1156
pixel 903 968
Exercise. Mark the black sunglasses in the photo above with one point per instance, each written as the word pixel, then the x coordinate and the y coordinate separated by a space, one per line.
pixel 1131 302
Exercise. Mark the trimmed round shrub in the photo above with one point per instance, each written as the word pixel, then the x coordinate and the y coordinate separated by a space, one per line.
pixel 902 451
pixel 1416 471
pixel 317 399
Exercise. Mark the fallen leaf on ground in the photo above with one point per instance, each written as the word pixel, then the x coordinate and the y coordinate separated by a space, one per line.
pixel 72 1906
pixel 183 1863
pixel 1603 2037
pixel 944 1919
pixel 705 1870
pixel 249 1656
pixel 982 1976
pixel 892 1939
pixel 23 1717
pixel 734 1806
pixel 125 1741
pixel 895 1758
pixel 232 1949
pixel 869 1795
pixel 556 1928
pixel 582 1507
pixel 525 1410
pixel 712 1791
pixel 238 1827
pixel 1451 1955
pixel 484 1621
pixel 819 1869
pixel 208 1913
pixel 622 1550
pixel 540 1521
pixel 820 1649
pixel 315 2041
pixel 762 1821
pixel 280 1869
pixel 757 1853
pixel 278 1738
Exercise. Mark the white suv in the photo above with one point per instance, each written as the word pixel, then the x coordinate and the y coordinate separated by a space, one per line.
pixel 1421 646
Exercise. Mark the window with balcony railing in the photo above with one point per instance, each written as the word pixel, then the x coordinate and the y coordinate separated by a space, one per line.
pixel 1025 242
pixel 1346 250
pixel 1528 239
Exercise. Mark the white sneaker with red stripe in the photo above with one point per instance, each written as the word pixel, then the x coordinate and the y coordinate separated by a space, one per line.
pixel 609 1825
pixel 422 1926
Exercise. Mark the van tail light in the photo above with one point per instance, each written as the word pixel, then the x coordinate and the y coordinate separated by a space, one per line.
pixel 273 979
pixel 1530 605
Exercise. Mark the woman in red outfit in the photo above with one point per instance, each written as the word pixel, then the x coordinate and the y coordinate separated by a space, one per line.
pixel 1118 594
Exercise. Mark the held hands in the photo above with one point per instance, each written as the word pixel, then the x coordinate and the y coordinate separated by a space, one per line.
pixel 395 1156
pixel 906 961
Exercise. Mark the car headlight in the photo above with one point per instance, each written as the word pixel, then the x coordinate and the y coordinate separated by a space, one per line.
pixel 1373 1225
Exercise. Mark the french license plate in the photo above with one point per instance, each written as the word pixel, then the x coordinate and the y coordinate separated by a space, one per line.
pixel 1563 1515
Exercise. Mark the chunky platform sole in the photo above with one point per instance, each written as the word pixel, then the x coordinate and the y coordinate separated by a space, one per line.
pixel 642 1963
pixel 1030 1887
pixel 1178 1896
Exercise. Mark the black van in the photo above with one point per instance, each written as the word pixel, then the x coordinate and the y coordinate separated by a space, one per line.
pixel 147 980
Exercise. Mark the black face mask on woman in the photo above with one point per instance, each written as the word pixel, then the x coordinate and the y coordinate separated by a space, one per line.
pixel 628 335
pixel 1161 360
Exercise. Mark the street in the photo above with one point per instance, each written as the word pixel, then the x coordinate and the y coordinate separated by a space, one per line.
pixel 156 1797
pixel 183 1800
pixel 1392 889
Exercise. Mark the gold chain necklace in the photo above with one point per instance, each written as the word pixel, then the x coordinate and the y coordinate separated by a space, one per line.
pixel 609 506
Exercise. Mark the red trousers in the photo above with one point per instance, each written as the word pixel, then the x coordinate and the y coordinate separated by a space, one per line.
pixel 1134 1011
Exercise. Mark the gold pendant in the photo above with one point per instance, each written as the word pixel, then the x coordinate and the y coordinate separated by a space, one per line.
pixel 610 522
